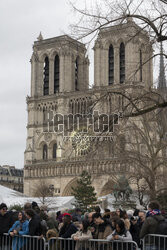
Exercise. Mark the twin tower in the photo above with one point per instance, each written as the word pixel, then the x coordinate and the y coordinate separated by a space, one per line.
pixel 60 64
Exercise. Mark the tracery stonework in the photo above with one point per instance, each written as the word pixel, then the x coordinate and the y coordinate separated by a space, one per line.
pixel 73 96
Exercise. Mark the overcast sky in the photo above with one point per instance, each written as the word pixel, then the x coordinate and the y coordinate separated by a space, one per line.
pixel 20 24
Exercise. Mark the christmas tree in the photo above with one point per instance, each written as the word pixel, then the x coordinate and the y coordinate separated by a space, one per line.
pixel 84 193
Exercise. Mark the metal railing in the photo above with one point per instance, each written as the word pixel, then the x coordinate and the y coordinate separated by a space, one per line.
pixel 154 242
pixel 25 242
pixel 69 244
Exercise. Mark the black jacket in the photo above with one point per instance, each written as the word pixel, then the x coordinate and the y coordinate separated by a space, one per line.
pixel 35 228
pixel 6 222
pixel 67 230
pixel 135 231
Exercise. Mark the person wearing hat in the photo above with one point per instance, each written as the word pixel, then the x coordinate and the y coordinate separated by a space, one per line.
pixel 6 221
pixel 68 227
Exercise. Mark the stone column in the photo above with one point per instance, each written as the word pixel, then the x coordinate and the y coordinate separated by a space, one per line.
pixel 97 69
pixel 103 67
pixel 68 72
pixel 40 79
pixel 33 76
pixel 86 73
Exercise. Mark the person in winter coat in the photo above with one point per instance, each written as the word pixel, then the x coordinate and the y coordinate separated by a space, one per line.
pixel 93 226
pixel 135 229
pixel 35 229
pixel 67 230
pixel 68 227
pixel 104 227
pixel 81 237
pixel 120 233
pixel 124 217
pixel 6 221
pixel 152 217
pixel 34 223
pixel 20 227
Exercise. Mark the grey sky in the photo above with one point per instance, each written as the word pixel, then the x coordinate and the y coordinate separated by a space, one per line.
pixel 20 24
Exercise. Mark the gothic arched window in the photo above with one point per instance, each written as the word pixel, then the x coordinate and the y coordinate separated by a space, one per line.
pixel 141 66
pixel 76 74
pixel 54 151
pixel 111 65
pixel 122 62
pixel 45 152
pixel 56 74
pixel 46 77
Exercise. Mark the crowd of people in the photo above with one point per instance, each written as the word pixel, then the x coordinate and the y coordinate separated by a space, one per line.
pixel 110 225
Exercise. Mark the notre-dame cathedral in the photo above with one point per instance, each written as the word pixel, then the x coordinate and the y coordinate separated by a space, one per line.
pixel 60 88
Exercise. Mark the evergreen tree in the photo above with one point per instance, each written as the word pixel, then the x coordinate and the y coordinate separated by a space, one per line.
pixel 84 193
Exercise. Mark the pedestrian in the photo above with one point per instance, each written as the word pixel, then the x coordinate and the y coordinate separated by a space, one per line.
pixel 6 221
pixel 19 228
pixel 82 236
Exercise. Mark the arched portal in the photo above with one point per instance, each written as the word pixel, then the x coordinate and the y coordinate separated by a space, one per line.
pixel 107 188
pixel 68 189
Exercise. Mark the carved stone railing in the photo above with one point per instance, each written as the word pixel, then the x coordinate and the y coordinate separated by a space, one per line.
pixel 75 168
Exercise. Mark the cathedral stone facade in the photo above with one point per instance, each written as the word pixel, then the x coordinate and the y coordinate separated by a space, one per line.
pixel 60 86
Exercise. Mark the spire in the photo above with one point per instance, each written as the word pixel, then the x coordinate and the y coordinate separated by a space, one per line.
pixel 40 37
pixel 162 79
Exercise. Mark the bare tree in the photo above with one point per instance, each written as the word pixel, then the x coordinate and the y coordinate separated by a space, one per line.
pixel 141 192
pixel 43 191
pixel 150 16
pixel 164 1
pixel 146 147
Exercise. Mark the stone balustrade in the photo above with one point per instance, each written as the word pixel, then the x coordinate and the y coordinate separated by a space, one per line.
pixel 75 168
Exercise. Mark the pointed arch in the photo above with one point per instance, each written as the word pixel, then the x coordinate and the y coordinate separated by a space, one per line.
pixel 68 189
pixel 45 152
pixel 111 65
pixel 54 155
pixel 107 188
pixel 56 74
pixel 46 77
pixel 122 62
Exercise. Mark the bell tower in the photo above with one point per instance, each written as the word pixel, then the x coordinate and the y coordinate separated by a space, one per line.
pixel 58 65
pixel 122 55
pixel 59 68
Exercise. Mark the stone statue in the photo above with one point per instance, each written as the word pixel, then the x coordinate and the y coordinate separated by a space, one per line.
pixel 122 190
